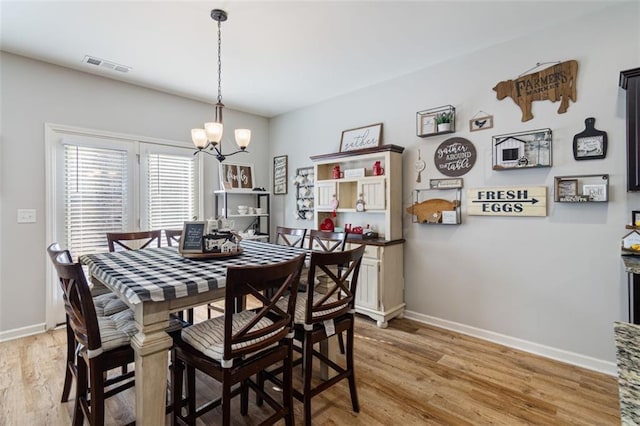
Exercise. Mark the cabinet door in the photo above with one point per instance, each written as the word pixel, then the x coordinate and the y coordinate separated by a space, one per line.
pixel 324 193
pixel 373 193
pixel 367 291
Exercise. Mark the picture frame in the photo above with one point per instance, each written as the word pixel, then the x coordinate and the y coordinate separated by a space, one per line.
pixel 567 188
pixel 236 176
pixel 481 123
pixel 635 218
pixel 192 237
pixel 426 124
pixel 522 150
pixel 280 174
pixel 361 137
pixel 595 192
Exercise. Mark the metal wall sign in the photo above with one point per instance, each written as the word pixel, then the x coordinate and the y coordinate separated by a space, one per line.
pixel 508 201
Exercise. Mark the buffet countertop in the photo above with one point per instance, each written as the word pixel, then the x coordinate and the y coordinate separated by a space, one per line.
pixel 628 356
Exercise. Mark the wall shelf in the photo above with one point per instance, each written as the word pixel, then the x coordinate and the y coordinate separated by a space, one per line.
pixel 581 188
pixel 427 121
pixel 429 204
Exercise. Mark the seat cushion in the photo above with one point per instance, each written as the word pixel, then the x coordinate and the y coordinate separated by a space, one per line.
pixel 116 330
pixel 208 336
pixel 108 304
pixel 301 306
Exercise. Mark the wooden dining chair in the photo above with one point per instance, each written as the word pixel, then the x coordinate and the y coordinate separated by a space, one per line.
pixel 327 241
pixel 173 236
pixel 105 303
pixel 320 316
pixel 293 237
pixel 103 342
pixel 234 347
pixel 133 240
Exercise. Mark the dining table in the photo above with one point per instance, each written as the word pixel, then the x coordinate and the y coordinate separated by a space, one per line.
pixel 154 282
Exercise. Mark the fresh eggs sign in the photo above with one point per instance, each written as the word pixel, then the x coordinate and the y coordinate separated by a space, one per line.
pixel 510 201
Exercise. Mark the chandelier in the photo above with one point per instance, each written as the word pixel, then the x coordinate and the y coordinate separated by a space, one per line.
pixel 209 139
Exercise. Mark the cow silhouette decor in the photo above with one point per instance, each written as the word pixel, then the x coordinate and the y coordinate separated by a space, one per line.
pixel 556 83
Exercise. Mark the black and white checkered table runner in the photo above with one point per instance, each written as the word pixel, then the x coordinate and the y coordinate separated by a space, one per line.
pixel 159 274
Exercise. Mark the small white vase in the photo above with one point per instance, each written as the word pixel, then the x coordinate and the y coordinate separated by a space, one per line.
pixel 444 127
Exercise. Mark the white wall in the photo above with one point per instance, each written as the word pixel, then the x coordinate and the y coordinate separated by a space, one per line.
pixel 555 281
pixel 34 93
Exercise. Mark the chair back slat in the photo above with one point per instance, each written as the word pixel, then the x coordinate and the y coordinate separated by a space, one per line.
pixel 327 240
pixel 143 239
pixel 173 236
pixel 293 237
pixel 78 302
pixel 341 270
pixel 269 284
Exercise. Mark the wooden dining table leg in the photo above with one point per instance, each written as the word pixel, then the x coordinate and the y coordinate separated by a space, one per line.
pixel 328 348
pixel 151 345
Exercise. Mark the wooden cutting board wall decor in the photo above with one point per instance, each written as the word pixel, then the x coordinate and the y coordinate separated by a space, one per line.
pixel 556 83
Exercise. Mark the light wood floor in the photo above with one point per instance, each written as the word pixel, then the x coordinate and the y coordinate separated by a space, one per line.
pixel 407 374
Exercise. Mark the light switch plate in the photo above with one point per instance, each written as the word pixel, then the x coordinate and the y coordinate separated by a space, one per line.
pixel 26 215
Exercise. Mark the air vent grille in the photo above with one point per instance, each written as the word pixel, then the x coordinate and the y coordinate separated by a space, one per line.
pixel 109 65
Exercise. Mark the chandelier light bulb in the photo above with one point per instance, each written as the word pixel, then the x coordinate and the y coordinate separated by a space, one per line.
pixel 243 137
pixel 199 138
pixel 214 131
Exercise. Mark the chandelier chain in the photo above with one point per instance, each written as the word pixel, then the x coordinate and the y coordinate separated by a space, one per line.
pixel 219 64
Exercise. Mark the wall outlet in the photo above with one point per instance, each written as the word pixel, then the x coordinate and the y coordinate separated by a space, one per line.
pixel 26 215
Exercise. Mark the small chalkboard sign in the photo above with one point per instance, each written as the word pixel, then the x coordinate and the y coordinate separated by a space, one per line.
pixel 191 240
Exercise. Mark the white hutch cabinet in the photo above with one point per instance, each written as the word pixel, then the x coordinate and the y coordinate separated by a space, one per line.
pixel 380 293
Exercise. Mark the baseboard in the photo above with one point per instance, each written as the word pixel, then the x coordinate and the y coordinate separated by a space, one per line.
pixel 572 358
pixel 17 333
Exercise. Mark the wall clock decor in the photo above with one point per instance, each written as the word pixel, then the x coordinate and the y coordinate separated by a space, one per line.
pixel 590 144
pixel 455 157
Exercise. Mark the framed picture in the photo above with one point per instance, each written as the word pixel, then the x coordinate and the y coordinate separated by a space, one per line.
pixel 522 150
pixel 591 143
pixel 236 176
pixel 567 188
pixel 361 137
pixel 635 218
pixel 191 239
pixel 481 123
pixel 280 174
pixel 595 192
pixel 426 124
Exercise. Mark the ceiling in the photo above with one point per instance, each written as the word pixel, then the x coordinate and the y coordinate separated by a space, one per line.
pixel 276 56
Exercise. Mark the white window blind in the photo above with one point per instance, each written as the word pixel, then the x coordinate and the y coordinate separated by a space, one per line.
pixel 172 190
pixel 95 194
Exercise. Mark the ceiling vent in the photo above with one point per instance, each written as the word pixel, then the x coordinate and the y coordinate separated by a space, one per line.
pixel 92 60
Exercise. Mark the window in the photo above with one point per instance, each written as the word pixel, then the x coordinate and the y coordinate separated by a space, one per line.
pixel 171 184
pixel 509 154
pixel 114 185
pixel 96 183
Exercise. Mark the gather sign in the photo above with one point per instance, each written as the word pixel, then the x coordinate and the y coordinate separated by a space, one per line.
pixel 455 157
